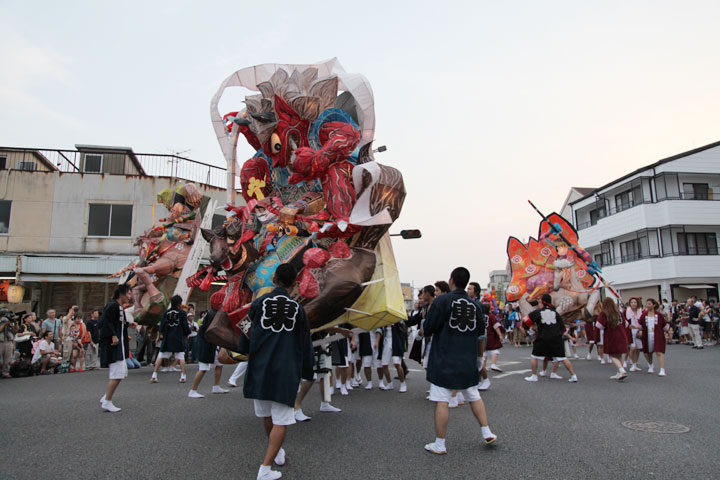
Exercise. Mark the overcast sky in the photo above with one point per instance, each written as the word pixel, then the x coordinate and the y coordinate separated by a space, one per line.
pixel 482 104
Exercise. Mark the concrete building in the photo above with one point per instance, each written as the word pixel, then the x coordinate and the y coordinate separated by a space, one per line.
pixel 655 230
pixel 500 279
pixel 407 292
pixel 68 217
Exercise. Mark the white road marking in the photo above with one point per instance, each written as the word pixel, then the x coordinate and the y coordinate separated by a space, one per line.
pixel 514 372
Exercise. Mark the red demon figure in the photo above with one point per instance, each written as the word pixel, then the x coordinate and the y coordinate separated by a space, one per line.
pixel 281 133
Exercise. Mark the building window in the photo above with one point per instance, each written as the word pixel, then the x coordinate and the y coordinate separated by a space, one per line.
pixel 110 220
pixel 637 193
pixel 630 250
pixel 93 163
pixel 31 166
pixel 696 191
pixel 697 243
pixel 622 201
pixel 4 216
pixel 3 162
pixel 596 215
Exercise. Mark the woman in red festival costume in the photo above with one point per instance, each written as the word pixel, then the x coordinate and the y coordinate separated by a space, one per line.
pixel 612 324
pixel 652 332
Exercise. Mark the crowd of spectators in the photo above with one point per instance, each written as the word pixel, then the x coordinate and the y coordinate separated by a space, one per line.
pixel 68 343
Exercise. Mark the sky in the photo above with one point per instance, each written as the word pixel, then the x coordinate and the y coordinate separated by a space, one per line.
pixel 482 104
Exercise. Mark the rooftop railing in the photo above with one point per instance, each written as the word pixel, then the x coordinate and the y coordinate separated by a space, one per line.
pixel 174 166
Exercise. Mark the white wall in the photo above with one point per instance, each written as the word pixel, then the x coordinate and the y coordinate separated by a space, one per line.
pixel 677 269
pixel 707 161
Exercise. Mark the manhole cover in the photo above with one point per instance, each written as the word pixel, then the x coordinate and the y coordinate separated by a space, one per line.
pixel 655 427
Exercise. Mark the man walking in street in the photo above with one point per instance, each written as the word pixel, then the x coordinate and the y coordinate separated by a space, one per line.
pixel 174 330
pixel 455 321
pixel 549 342
pixel 279 354
pixel 113 343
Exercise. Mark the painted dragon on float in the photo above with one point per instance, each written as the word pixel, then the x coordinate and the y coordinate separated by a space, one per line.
pixel 314 197
pixel 554 264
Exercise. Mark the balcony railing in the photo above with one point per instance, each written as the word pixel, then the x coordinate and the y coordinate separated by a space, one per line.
pixel 708 196
pixel 606 262
pixel 153 164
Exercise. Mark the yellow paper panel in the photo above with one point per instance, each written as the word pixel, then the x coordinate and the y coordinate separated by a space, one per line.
pixel 382 303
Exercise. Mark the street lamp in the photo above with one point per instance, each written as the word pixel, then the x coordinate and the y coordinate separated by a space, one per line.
pixel 407 234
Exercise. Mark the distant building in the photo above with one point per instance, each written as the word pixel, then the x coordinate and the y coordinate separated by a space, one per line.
pixel 655 231
pixel 500 279
pixel 68 218
pixel 575 193
pixel 407 291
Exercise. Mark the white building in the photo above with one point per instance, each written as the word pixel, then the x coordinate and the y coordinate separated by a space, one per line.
pixel 655 231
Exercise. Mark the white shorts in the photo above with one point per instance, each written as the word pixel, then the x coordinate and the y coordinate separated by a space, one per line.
pixel 356 355
pixel 491 352
pixel 386 355
pixel 554 359
pixel 281 414
pixel 440 394
pixel 204 367
pixel 178 355
pixel 118 370
pixel 396 360
pixel 684 330
pixel 367 361
pixel 481 362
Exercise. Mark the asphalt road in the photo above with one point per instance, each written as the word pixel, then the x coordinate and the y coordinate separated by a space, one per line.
pixel 52 427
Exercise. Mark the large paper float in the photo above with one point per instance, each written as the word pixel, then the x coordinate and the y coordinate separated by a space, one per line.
pixel 163 251
pixel 314 197
pixel 554 264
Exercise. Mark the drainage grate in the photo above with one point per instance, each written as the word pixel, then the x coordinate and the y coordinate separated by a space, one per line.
pixel 655 427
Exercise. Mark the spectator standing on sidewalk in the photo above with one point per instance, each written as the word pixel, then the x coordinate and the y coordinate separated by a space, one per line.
pixel 54 325
pixel 694 322
pixel 8 328
pixel 67 340
pixel 93 337
pixel 77 335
